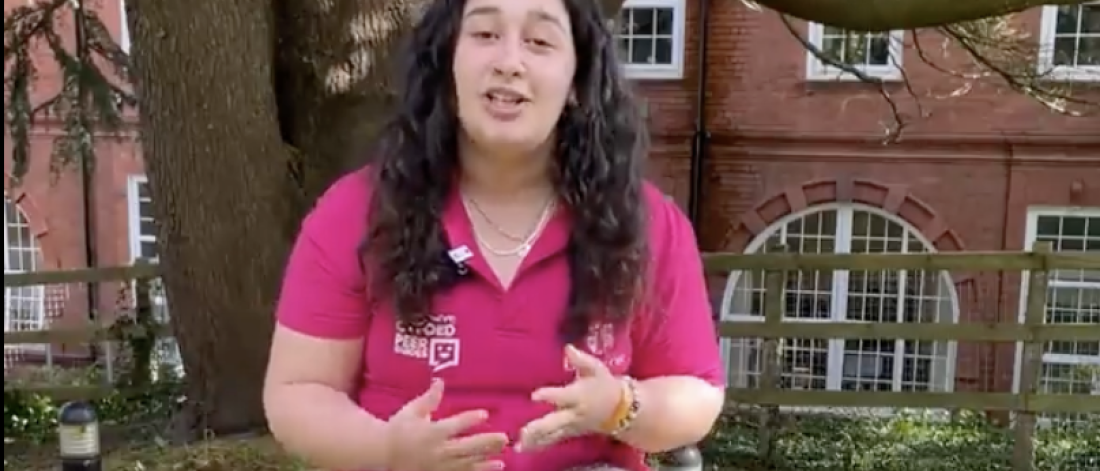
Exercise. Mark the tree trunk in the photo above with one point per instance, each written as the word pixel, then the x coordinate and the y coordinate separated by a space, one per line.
pixel 333 80
pixel 217 171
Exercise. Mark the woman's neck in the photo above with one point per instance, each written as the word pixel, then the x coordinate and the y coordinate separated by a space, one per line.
pixel 511 178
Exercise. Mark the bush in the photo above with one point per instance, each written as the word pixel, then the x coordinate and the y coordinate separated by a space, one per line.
pixel 904 442
pixel 32 418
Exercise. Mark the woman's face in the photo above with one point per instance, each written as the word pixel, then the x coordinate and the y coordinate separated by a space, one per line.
pixel 513 67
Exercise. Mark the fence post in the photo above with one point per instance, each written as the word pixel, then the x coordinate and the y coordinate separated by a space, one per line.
pixel 1031 366
pixel 78 436
pixel 770 368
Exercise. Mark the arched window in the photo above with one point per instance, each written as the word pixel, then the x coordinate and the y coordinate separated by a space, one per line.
pixel 848 296
pixel 24 307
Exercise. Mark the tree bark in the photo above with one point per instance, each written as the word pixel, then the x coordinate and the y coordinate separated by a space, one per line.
pixel 334 80
pixel 216 168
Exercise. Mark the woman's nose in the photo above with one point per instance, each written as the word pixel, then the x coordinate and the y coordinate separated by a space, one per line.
pixel 509 59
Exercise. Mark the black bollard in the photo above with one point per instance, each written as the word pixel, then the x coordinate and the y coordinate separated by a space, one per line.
pixel 687 458
pixel 78 434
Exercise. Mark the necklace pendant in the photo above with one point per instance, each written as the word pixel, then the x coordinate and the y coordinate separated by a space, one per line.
pixel 524 249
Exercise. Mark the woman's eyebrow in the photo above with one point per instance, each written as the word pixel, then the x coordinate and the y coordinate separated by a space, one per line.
pixel 537 15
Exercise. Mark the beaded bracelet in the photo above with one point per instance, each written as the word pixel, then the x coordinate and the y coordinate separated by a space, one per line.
pixel 627 409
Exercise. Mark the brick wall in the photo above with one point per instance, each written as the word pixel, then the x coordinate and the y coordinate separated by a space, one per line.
pixel 967 170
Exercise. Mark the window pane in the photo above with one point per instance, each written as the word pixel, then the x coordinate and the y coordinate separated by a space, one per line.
pixel 148 227
pixel 641 51
pixel 1065 51
pixel 663 51
pixel 1090 19
pixel 1088 52
pixel 145 208
pixel 665 18
pixel 641 22
pixel 148 249
pixel 879 51
pixel 1067 20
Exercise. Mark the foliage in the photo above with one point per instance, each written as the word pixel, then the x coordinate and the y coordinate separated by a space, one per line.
pixel 253 454
pixel 33 417
pixel 92 93
pixel 909 441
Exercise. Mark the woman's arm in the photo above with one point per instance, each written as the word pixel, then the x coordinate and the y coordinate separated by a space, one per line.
pixel 308 403
pixel 317 349
pixel 676 362
pixel 675 411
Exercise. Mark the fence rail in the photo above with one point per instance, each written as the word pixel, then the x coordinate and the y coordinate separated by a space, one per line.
pixel 1031 335
pixel 94 331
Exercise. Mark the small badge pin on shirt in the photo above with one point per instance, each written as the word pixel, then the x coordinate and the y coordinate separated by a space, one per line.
pixel 460 254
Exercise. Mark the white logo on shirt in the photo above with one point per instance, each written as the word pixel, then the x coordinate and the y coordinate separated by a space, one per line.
pixel 433 340
pixel 600 342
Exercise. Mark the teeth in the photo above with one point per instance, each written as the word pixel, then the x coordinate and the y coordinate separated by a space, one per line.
pixel 503 99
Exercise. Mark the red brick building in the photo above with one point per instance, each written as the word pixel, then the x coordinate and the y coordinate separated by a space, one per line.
pixel 781 148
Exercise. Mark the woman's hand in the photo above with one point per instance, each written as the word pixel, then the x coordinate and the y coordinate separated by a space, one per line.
pixel 582 407
pixel 416 443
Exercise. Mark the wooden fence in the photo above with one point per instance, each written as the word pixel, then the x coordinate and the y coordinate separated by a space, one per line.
pixel 1031 334
pixel 102 330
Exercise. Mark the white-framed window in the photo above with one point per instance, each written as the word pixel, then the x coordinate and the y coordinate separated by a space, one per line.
pixel 650 36
pixel 24 306
pixel 124 27
pixel 1070 42
pixel 877 54
pixel 906 296
pixel 1073 297
pixel 143 245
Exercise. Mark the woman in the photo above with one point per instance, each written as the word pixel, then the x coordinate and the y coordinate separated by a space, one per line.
pixel 499 289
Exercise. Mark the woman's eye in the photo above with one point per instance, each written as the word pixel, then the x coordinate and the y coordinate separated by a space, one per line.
pixel 539 42
pixel 483 34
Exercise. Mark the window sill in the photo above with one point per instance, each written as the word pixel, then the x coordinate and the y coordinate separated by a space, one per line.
pixel 653 73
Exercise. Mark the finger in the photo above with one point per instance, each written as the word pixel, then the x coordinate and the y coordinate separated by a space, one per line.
pixel 475 446
pixel 456 424
pixel 426 403
pixel 472 464
pixel 561 397
pixel 541 431
pixel 583 363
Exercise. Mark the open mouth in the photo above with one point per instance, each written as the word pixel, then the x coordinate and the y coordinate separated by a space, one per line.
pixel 502 97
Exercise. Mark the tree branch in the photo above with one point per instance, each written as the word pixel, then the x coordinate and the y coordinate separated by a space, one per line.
pixel 999 53
pixel 898 122
pixel 35 25
pixel 886 15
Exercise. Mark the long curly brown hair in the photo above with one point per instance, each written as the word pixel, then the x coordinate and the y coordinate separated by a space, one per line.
pixel 598 175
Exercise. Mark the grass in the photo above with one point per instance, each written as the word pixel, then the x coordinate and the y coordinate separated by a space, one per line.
pixel 252 454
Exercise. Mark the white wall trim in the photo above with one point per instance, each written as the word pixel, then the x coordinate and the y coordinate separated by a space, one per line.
pixel 816 70
pixel 1045 64
pixel 679 42
pixel 1030 235
pixel 842 243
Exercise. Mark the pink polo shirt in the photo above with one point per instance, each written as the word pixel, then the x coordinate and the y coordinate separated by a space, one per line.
pixel 494 347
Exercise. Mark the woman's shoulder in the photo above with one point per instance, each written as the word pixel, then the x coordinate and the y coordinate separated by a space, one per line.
pixel 665 219
pixel 339 216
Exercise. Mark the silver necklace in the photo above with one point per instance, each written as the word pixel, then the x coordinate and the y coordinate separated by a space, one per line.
pixel 524 246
